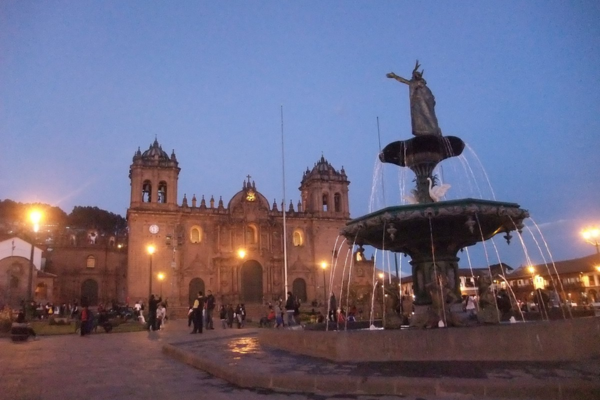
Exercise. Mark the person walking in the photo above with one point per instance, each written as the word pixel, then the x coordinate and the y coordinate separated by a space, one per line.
pixel 152 307
pixel 210 306
pixel 290 307
pixel 85 316
pixel 190 316
pixel 223 316
pixel 230 315
pixel 278 315
pixel 161 313
pixel 332 308
pixel 198 308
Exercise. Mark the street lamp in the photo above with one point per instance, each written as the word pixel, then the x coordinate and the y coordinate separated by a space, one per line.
pixel 160 277
pixel 592 236
pixel 35 216
pixel 324 267
pixel 151 251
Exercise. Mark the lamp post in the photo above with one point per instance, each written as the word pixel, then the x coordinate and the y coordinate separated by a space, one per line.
pixel 151 250
pixel 160 277
pixel 35 216
pixel 324 267
pixel 592 236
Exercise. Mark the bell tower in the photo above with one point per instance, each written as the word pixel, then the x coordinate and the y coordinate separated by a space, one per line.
pixel 153 175
pixel 324 191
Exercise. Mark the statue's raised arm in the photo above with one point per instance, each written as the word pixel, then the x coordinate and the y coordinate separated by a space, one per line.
pixel 422 103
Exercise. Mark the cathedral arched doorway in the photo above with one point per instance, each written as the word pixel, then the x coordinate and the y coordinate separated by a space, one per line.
pixel 252 282
pixel 196 285
pixel 89 292
pixel 299 289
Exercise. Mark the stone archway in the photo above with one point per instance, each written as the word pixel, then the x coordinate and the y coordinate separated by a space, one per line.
pixel 251 282
pixel 299 289
pixel 89 292
pixel 196 285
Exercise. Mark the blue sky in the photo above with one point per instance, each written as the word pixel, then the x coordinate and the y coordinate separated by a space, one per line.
pixel 83 84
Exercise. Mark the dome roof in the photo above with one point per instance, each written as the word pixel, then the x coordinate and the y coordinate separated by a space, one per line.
pixel 243 196
pixel 323 170
pixel 154 151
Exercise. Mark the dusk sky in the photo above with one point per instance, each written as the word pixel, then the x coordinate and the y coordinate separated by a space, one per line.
pixel 83 84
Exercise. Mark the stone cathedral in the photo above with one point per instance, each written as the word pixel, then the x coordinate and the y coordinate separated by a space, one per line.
pixel 234 248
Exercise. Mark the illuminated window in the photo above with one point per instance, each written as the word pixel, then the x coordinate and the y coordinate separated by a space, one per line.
pixel 196 234
pixel 298 238
pixel 90 262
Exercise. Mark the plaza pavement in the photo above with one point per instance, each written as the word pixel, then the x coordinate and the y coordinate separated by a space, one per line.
pixel 154 365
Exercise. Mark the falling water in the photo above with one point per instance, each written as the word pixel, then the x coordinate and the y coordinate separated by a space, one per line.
pixel 482 169
pixel 331 276
pixel 377 200
pixel 348 289
pixel 552 261
pixel 528 260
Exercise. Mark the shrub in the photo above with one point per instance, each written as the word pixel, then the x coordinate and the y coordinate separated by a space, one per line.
pixel 52 321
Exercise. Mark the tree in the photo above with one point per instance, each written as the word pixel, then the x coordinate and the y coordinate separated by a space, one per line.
pixel 93 217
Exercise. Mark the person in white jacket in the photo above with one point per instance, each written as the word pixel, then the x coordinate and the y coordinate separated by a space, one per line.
pixel 161 313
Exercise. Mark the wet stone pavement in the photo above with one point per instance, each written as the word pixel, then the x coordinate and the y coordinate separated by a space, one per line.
pixel 136 366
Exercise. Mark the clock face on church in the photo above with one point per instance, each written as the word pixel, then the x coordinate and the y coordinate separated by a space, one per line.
pixel 250 195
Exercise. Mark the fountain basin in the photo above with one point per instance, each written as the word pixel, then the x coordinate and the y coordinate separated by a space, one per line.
pixel 565 340
pixel 454 224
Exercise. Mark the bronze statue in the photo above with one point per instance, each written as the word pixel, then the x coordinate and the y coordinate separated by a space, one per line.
pixel 422 104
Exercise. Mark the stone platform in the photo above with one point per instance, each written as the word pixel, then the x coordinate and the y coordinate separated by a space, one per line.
pixel 538 341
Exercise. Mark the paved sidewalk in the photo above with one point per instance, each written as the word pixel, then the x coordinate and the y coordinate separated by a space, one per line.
pixel 125 366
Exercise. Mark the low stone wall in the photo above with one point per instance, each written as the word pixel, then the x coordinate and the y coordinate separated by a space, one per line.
pixel 573 339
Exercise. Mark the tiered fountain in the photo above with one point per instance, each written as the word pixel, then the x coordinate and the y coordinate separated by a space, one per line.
pixel 431 232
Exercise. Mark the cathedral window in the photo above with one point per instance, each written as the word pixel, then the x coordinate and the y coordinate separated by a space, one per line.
pixel 325 201
pixel 298 238
pixel 147 192
pixel 90 262
pixel 196 234
pixel 337 202
pixel 162 192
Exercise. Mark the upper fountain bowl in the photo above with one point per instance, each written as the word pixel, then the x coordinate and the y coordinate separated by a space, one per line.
pixel 422 149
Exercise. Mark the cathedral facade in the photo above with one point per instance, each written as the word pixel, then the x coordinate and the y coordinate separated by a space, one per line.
pixel 236 248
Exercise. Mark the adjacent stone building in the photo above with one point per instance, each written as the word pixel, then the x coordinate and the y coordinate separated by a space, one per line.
pixel 233 248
